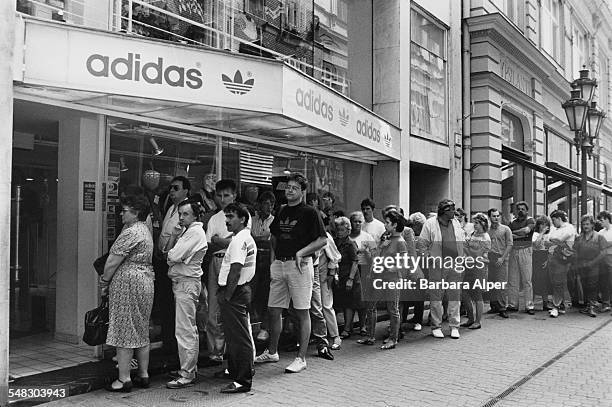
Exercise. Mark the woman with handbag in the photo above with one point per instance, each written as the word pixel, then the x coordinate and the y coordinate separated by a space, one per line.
pixel 128 280
pixel 590 249
pixel 560 242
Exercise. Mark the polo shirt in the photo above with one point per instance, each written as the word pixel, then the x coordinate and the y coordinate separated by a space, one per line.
pixel 216 226
pixel 242 250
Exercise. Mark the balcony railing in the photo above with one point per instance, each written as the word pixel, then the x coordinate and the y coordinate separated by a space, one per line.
pixel 220 26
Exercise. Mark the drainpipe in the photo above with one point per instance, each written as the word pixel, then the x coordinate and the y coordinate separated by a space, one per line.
pixel 467 111
pixel 7 40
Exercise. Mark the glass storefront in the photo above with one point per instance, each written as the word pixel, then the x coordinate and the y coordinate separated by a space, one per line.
pixel 33 232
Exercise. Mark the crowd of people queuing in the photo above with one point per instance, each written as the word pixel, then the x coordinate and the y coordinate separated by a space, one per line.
pixel 309 262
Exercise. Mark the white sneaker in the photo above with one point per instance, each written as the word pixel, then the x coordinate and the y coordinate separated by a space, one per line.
pixel 417 327
pixel 437 333
pixel 455 333
pixel 263 335
pixel 554 313
pixel 297 366
pixel 267 357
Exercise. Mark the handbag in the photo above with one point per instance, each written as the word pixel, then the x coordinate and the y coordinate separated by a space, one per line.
pixel 564 254
pixel 99 264
pixel 96 324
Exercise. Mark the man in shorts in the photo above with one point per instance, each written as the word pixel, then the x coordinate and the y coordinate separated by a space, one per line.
pixel 297 233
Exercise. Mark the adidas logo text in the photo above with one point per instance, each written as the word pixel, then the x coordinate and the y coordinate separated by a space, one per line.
pixel 344 117
pixel 132 69
pixel 314 103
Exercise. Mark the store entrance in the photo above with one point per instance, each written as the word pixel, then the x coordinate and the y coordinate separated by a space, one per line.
pixel 33 235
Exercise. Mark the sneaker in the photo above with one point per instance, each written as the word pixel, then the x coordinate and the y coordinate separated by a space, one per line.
pixel 417 327
pixel 180 383
pixel 562 311
pixel 437 333
pixel 267 357
pixel 263 335
pixel 296 366
pixel 530 311
pixel 337 343
pixel 455 333
pixel 605 308
pixel 554 313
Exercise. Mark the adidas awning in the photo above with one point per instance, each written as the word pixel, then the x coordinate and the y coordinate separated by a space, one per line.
pixel 200 90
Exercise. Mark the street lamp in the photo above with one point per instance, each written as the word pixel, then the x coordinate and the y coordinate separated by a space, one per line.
pixel 584 119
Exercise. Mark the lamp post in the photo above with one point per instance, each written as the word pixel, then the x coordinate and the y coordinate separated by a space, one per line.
pixel 584 119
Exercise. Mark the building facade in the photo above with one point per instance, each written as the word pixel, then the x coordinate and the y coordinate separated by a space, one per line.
pixel 523 56
pixel 363 96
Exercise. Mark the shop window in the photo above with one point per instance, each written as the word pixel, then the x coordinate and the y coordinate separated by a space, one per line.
pixel 133 163
pixel 428 90
pixel 512 131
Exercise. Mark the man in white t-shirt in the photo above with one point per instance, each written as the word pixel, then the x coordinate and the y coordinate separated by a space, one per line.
pixel 218 238
pixel 234 296
pixel 371 225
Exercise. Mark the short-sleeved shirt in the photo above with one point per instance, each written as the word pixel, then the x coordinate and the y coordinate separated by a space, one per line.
pixel 375 228
pixel 607 234
pixel 242 249
pixel 523 241
pixel 588 249
pixel 363 241
pixel 501 238
pixel 216 226
pixel 296 227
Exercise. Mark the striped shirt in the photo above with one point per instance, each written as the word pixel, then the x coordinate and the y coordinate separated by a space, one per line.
pixel 242 250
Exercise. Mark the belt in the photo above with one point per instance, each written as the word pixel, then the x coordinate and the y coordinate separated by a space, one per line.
pixel 521 247
pixel 289 258
pixel 219 255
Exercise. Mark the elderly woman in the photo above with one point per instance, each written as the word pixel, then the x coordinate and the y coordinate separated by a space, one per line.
pixel 590 247
pixel 128 279
pixel 541 283
pixel 347 295
pixel 477 246
pixel 559 242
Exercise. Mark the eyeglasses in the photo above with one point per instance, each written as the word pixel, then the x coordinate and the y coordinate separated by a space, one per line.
pixel 174 187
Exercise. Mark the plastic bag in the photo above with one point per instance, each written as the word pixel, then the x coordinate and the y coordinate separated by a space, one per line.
pixel 96 324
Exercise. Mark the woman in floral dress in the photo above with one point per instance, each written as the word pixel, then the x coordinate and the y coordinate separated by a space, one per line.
pixel 128 278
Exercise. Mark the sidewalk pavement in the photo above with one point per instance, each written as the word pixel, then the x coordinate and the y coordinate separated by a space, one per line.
pixel 521 361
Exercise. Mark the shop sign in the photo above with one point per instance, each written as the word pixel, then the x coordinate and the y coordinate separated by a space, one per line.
pixel 517 77
pixel 89 196
pixel 110 63
pixel 309 102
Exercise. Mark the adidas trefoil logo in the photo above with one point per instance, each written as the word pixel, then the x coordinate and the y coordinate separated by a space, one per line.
pixel 237 86
pixel 344 117
pixel 387 140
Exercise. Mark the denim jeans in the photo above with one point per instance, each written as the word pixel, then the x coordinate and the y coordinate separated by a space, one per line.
pixel 186 294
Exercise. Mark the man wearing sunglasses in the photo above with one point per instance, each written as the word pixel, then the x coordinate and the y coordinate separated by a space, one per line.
pixel 178 192
pixel 442 237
